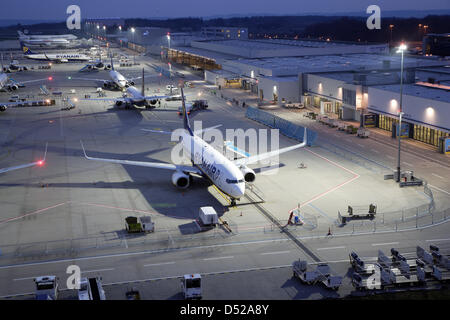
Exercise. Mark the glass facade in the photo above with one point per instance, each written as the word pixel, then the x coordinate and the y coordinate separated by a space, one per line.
pixel 420 133
pixel 385 122
pixel 428 135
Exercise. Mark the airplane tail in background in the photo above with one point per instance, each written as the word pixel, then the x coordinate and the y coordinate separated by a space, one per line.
pixel 143 83
pixel 186 124
pixel 25 49
pixel 112 65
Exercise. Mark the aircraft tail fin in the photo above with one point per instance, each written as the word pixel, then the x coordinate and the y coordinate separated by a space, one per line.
pixel 186 124
pixel 143 83
pixel 25 49
pixel 112 65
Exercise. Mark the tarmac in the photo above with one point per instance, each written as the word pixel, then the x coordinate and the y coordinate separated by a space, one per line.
pixel 72 210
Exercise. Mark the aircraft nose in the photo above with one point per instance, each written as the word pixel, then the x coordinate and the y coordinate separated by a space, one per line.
pixel 238 190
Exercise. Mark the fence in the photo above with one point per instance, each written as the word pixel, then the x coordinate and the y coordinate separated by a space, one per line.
pixel 286 127
pixel 173 239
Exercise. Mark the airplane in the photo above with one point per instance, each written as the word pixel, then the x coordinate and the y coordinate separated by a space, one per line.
pixel 133 97
pixel 8 84
pixel 13 66
pixel 229 176
pixel 56 57
pixel 48 41
pixel 47 36
pixel 97 65
pixel 32 164
pixel 117 81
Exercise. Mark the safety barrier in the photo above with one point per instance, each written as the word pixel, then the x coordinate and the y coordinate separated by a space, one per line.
pixel 286 127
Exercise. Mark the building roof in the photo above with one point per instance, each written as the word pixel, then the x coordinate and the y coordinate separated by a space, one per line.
pixel 330 63
pixel 419 91
pixel 265 48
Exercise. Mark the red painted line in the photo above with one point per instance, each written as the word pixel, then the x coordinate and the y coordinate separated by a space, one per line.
pixel 34 212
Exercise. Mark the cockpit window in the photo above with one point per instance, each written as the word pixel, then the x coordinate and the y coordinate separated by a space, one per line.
pixel 234 181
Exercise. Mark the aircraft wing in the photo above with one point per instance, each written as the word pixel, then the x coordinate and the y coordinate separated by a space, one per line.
pixel 106 99
pixel 40 162
pixel 155 97
pixel 267 155
pixel 22 166
pixel 20 83
pixel 140 77
pixel 230 146
pixel 158 165
pixel 90 79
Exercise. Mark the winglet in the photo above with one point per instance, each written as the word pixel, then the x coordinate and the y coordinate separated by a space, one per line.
pixel 305 136
pixel 84 151
pixel 45 153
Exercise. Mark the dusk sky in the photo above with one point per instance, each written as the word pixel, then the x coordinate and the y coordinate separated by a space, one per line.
pixel 56 9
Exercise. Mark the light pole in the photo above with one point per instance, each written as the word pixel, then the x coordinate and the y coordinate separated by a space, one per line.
pixel 132 32
pixel 401 50
pixel 391 26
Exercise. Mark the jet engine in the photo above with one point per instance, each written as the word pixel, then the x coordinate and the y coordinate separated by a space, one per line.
pixel 13 87
pixel 249 174
pixel 119 103
pixel 131 83
pixel 180 179
pixel 152 102
pixel 2 108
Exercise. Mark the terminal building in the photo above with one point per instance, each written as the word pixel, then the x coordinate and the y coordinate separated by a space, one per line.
pixel 347 80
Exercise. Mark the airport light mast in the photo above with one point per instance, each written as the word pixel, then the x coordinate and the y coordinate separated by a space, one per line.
pixel 401 50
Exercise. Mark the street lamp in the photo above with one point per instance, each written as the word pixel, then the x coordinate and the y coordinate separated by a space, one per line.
pixel 401 49
pixel 391 26
pixel 168 38
pixel 132 32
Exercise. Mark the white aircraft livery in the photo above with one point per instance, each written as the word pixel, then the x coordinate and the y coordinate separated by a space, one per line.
pixel 134 96
pixel 56 57
pixel 230 176
pixel 117 81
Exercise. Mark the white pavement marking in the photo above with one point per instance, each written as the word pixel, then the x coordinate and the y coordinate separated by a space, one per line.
pixel 19 279
pixel 407 163
pixel 390 157
pixel 360 145
pixel 376 151
pixel 437 240
pixel 98 270
pixel 219 258
pixel 439 189
pixel 158 264
pixel 383 244
pixel 274 252
pixel 436 175
pixel 144 252
pixel 330 248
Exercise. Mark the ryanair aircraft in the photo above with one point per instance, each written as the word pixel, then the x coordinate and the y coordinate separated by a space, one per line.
pixel 55 57
pixel 230 176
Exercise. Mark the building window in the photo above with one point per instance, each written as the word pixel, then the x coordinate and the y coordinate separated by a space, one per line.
pixel 349 97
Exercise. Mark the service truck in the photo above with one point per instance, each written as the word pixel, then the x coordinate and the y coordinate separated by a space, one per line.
pixel 208 216
pixel 46 288
pixel 191 285
pixel 91 289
